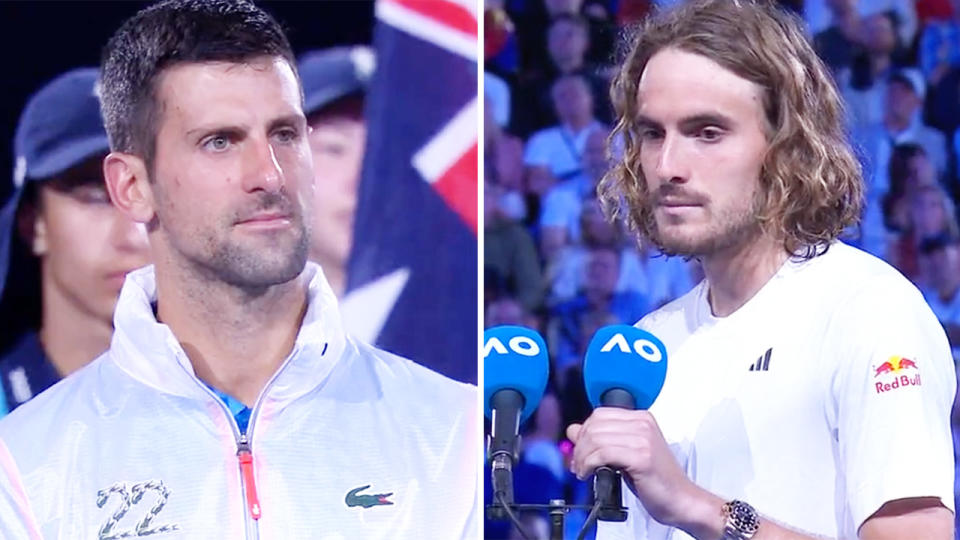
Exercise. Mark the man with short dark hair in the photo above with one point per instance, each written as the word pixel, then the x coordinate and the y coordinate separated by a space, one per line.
pixel 60 219
pixel 231 404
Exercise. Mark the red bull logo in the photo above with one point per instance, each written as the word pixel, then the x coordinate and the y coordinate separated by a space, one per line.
pixel 894 365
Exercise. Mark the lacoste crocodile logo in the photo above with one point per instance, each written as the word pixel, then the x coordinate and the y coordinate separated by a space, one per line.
pixel 366 501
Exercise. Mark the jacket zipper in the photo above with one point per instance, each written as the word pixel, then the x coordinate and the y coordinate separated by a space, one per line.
pixel 246 471
pixel 251 510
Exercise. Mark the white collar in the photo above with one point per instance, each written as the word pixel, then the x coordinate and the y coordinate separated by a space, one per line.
pixel 149 352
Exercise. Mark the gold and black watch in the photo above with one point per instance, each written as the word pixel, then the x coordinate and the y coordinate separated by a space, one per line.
pixel 741 522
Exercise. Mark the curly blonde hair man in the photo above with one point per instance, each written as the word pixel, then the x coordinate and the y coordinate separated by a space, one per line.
pixel 794 366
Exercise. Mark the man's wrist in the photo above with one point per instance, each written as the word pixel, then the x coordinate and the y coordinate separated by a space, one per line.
pixel 702 515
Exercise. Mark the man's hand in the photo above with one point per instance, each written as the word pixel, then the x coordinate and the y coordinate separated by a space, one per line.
pixel 631 441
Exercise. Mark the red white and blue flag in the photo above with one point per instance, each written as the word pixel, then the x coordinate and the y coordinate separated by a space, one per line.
pixel 412 283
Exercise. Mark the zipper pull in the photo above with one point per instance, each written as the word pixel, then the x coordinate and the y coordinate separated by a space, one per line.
pixel 246 471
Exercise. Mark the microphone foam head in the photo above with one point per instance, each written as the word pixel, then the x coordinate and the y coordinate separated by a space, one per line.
pixel 514 358
pixel 628 358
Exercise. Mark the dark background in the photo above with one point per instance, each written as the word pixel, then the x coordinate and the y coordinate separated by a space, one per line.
pixel 41 39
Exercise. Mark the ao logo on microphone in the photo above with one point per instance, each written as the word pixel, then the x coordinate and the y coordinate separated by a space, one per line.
pixel 521 345
pixel 626 358
pixel 514 358
pixel 647 349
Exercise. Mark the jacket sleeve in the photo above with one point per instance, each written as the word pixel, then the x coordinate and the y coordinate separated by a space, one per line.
pixel 17 520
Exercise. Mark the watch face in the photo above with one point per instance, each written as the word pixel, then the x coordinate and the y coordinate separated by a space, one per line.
pixel 744 517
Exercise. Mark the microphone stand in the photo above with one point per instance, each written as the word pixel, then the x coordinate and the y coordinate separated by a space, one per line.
pixel 558 509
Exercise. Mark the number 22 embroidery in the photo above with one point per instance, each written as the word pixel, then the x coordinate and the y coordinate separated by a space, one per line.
pixel 129 498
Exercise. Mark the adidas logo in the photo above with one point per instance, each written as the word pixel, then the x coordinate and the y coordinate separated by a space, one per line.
pixel 762 363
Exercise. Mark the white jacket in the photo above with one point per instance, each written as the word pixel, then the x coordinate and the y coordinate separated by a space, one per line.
pixel 135 444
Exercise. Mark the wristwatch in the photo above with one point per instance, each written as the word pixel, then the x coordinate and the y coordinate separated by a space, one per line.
pixel 741 522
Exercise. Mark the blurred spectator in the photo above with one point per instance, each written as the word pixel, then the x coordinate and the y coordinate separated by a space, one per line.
pixel 932 213
pixel 503 154
pixel 865 91
pixel 817 15
pixel 901 124
pixel 560 147
pixel 560 216
pixel 541 436
pixel 567 43
pixel 500 49
pixel 335 82
pixel 497 95
pixel 60 215
pixel 840 42
pixel 941 288
pixel 509 250
pixel 939 59
pixel 664 278
pixel 910 168
pixel 506 309
pixel 939 48
pixel 533 19
pixel 658 278
pixel 597 297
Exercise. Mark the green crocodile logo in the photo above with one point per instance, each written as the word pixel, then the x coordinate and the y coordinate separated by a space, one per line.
pixel 366 501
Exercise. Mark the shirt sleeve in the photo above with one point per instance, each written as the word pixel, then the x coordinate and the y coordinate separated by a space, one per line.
pixel 891 396
pixel 536 151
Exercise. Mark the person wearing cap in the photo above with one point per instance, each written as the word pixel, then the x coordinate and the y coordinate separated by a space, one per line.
pixel 940 260
pixel 231 402
pixel 60 215
pixel 335 83
pixel 902 124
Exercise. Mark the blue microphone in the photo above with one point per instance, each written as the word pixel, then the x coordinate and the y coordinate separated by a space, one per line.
pixel 624 367
pixel 515 371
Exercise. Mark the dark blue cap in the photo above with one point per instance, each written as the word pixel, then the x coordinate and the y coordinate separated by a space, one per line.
pixel 59 128
pixel 330 74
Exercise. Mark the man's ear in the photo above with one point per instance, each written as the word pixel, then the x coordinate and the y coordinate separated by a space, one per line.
pixel 129 186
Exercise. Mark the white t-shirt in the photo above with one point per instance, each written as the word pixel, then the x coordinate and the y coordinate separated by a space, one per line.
pixel 558 148
pixel 789 403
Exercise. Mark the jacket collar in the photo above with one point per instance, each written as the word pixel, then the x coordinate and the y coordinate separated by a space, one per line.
pixel 148 351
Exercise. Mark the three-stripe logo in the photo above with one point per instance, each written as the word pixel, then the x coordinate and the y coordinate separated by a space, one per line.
pixel 762 363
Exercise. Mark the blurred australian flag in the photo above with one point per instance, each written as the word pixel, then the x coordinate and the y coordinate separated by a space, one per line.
pixel 412 276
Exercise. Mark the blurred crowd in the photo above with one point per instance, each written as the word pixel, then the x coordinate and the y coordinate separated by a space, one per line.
pixel 552 262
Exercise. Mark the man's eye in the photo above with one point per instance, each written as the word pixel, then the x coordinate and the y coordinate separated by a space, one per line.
pixel 650 134
pixel 710 134
pixel 287 135
pixel 217 143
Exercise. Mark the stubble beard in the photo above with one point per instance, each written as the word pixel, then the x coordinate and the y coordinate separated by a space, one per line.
pixel 731 228
pixel 252 268
pixel 249 265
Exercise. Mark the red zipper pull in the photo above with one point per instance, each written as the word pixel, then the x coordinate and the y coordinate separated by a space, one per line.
pixel 246 471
